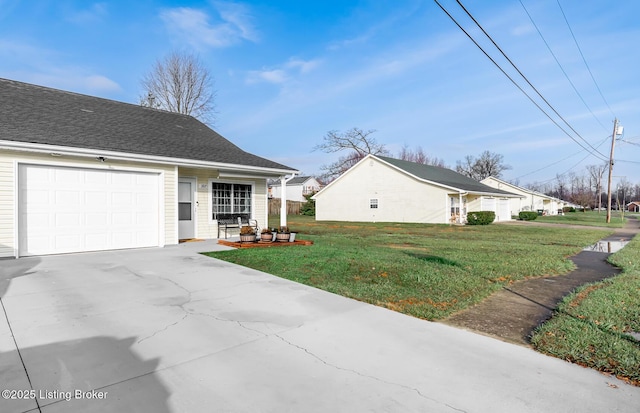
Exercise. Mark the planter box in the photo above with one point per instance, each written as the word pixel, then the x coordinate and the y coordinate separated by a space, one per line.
pixel 248 238
pixel 283 237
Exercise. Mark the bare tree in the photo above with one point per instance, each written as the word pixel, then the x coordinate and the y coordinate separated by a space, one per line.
pixel 623 192
pixel 636 193
pixel 486 165
pixel 561 187
pixel 180 83
pixel 596 172
pixel 356 142
pixel 419 156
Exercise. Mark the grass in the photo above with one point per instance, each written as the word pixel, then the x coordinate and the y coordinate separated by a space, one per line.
pixel 590 218
pixel 428 271
pixel 590 326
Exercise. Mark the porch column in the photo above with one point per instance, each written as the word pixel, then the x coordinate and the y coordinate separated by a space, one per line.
pixel 283 199
pixel 460 207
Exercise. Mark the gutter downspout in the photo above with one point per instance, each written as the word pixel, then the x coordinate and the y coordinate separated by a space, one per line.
pixel 283 199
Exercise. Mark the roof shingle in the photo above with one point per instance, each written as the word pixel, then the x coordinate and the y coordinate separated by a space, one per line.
pixel 36 114
pixel 443 176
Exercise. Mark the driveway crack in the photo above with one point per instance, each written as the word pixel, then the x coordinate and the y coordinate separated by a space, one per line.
pixel 162 329
pixel 180 306
pixel 15 342
pixel 326 363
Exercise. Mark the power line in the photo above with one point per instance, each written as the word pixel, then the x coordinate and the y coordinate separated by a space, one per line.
pixel 561 160
pixel 511 79
pixel 583 58
pixel 567 171
pixel 526 79
pixel 560 65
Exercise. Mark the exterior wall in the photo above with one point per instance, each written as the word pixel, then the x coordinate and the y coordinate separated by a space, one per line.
pixel 400 197
pixel 8 180
pixel 7 213
pixel 475 203
pixel 296 192
pixel 530 202
pixel 206 226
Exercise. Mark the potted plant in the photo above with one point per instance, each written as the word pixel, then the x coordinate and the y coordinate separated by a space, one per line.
pixel 283 234
pixel 266 235
pixel 247 234
pixel 293 233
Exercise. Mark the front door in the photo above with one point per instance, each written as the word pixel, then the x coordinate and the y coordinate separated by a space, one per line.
pixel 186 208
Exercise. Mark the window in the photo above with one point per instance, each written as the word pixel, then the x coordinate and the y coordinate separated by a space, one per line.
pixel 455 207
pixel 373 203
pixel 184 201
pixel 229 199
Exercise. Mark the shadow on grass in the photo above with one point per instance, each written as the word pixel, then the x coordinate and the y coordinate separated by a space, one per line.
pixel 432 259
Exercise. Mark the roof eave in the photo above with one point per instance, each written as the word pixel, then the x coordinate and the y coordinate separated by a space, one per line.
pixel 86 152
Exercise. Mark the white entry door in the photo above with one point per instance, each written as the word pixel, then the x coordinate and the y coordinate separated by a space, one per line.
pixel 68 209
pixel 186 208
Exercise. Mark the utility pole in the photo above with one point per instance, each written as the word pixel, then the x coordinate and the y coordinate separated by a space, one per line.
pixel 613 141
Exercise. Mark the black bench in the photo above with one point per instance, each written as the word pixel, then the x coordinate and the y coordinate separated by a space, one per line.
pixel 232 221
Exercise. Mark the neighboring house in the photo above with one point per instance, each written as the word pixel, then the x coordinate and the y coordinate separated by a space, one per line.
pixel 297 188
pixel 382 189
pixel 80 173
pixel 633 206
pixel 529 201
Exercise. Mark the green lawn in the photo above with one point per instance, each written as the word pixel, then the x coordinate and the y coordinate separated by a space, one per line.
pixel 427 271
pixel 589 218
pixel 590 326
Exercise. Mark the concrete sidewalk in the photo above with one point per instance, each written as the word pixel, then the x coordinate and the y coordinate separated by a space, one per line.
pixel 169 330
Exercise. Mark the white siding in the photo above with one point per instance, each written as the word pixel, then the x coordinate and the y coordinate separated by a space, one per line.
pixel 6 206
pixel 400 197
pixel 206 227
pixel 8 167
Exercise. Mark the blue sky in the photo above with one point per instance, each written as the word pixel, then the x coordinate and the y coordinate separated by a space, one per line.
pixel 287 72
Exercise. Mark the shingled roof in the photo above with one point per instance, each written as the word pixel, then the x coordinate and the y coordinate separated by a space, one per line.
pixel 446 177
pixel 39 115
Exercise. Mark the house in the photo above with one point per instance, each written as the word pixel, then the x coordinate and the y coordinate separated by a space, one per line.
pixel 382 189
pixel 297 188
pixel 530 200
pixel 81 173
pixel 633 206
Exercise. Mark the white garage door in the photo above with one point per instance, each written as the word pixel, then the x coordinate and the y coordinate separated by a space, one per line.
pixel 79 209
pixel 504 210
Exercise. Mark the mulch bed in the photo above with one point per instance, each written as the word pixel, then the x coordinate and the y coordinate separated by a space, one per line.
pixel 263 244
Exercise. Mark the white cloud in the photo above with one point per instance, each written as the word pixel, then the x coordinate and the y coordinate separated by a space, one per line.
pixel 239 16
pixel 70 79
pixel 42 67
pixel 304 66
pixel 100 83
pixel 285 72
pixel 195 27
pixel 522 30
pixel 276 76
pixel 95 13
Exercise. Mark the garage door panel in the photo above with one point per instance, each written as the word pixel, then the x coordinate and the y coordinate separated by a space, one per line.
pixel 67 177
pixel 76 209
pixel 95 177
pixel 122 219
pixel 71 220
pixel 68 243
pixel 95 199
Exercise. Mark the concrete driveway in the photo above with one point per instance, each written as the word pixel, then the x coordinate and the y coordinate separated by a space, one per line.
pixel 169 330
